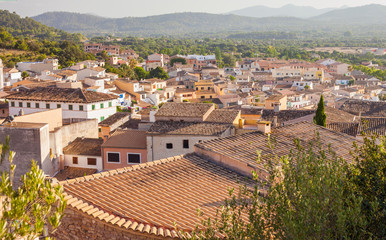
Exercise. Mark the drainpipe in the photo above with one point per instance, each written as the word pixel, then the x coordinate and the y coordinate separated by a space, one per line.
pixel 152 149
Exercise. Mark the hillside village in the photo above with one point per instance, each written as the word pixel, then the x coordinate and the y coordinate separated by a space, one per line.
pixel 157 142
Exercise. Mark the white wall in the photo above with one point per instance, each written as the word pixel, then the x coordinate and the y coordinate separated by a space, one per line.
pixel 87 112
pixel 82 162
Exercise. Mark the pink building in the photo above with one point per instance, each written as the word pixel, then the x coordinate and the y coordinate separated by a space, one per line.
pixel 124 148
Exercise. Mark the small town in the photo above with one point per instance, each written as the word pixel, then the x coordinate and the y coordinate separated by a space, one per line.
pixel 128 133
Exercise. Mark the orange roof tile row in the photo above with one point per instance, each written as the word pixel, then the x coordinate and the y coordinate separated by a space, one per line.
pixel 151 197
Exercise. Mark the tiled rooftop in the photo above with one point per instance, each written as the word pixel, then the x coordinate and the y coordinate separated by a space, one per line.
pixel 188 128
pixel 74 172
pixel 113 118
pixel 244 147
pixel 170 109
pixel 61 95
pixel 84 146
pixel 150 197
pixel 135 139
pixel 365 108
pixel 223 116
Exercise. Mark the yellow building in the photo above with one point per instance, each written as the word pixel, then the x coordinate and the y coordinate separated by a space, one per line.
pixel 205 89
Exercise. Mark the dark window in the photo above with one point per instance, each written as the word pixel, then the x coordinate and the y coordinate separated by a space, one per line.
pixel 12 104
pixel 47 105
pixel 93 107
pixel 58 106
pixel 100 129
pixel 102 118
pixel 101 105
pixel 133 158
pixel 20 104
pixel 37 105
pixel 113 157
pixel 74 160
pixel 169 145
pixel 91 161
pixel 185 143
pixel 110 104
pixel 80 107
pixel 69 107
pixel 28 105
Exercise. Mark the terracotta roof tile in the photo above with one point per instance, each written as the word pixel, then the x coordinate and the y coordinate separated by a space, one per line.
pixel 183 109
pixel 188 128
pixel 223 116
pixel 61 95
pixel 85 147
pixel 150 198
pixel 244 147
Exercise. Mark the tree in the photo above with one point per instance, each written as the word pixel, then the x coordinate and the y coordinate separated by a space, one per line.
pixel 232 78
pixel 158 72
pixel 180 60
pixel 28 209
pixel 320 115
pixel 368 175
pixel 140 73
pixel 24 74
pixel 308 197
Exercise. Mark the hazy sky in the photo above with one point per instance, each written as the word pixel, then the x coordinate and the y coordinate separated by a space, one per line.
pixel 125 8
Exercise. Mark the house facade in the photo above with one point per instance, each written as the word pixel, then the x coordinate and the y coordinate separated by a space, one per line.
pixel 75 103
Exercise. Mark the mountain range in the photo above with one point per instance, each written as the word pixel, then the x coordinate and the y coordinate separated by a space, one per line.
pixel 288 10
pixel 364 18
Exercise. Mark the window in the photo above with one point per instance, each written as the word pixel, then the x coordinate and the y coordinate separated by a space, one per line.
pixel 100 129
pixel 185 143
pixel 169 145
pixel 47 105
pixel 102 105
pixel 58 106
pixel 74 160
pixel 20 104
pixel 70 107
pixel 37 105
pixel 28 105
pixel 133 158
pixel 91 161
pixel 12 104
pixel 93 107
pixel 102 118
pixel 113 158
pixel 110 104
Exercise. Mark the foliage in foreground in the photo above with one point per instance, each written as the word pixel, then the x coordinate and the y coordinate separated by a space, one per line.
pixel 27 210
pixel 314 194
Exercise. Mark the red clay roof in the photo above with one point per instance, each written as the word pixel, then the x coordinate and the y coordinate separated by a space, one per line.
pixel 150 197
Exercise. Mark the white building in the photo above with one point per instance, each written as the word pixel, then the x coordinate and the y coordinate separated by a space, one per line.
pixel 1 75
pixel 49 64
pixel 301 85
pixel 84 153
pixel 75 103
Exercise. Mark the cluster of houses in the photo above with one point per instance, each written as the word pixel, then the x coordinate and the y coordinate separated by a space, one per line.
pixel 134 157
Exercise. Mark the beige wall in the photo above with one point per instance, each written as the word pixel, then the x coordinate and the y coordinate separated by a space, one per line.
pixel 123 154
pixel 53 117
pixel 156 144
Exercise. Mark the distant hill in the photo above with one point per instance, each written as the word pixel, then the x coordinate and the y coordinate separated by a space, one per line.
pixel 28 27
pixel 285 11
pixel 369 14
pixel 168 24
pixel 365 20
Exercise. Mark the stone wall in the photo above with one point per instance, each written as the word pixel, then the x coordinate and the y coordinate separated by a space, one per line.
pixel 77 225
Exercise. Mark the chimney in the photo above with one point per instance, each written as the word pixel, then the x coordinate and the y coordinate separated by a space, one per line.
pixel 274 121
pixel 276 107
pixel 264 127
